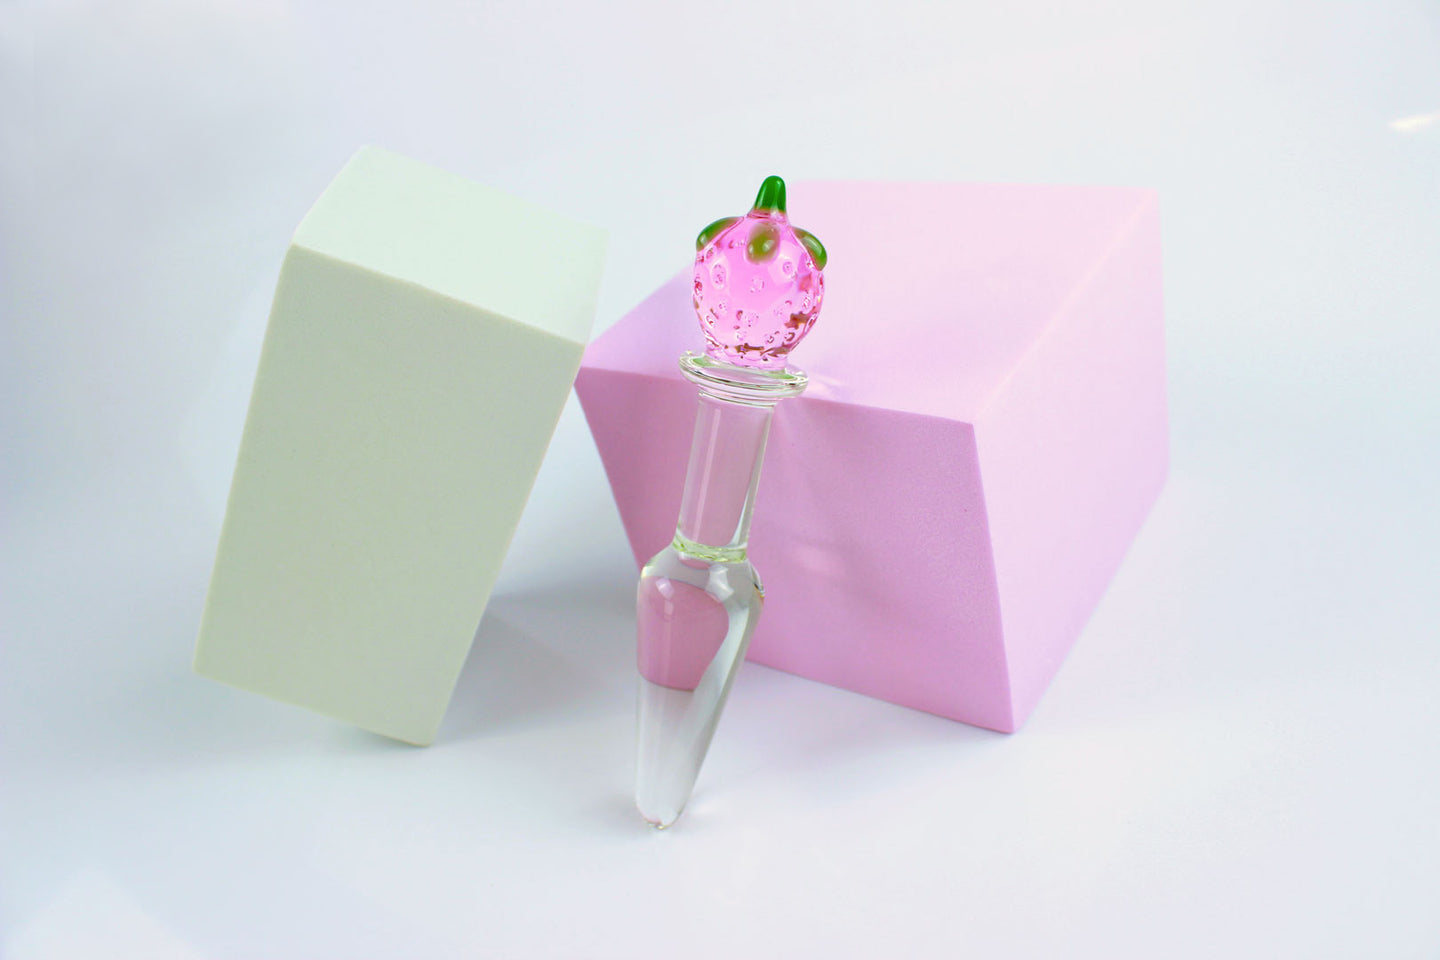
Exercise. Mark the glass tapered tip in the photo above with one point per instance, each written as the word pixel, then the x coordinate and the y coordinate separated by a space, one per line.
pixel 694 622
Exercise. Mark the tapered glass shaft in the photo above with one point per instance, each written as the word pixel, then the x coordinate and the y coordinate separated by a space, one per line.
pixel 700 598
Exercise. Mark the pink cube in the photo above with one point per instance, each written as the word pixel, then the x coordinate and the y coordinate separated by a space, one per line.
pixel 984 433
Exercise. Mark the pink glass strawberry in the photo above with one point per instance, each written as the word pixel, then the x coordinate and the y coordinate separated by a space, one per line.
pixel 758 283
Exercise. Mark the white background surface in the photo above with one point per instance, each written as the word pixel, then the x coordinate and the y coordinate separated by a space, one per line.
pixel 1240 758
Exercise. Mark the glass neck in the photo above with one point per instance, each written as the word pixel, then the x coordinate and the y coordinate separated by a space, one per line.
pixel 722 477
pixel 731 427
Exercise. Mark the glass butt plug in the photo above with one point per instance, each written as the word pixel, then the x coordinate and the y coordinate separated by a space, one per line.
pixel 758 288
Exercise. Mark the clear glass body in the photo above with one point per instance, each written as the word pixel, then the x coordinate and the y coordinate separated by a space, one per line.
pixel 699 599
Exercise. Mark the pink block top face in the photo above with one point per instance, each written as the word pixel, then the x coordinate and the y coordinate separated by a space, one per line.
pixel 962 328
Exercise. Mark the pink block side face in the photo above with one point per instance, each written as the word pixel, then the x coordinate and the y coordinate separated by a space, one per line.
pixel 1075 450
pixel 934 526
pixel 873 582
pixel 877 566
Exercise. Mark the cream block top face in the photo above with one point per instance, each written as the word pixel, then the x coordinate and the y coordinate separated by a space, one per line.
pixel 461 239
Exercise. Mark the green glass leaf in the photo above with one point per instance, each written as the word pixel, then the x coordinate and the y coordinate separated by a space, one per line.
pixel 771 195
pixel 813 244
pixel 764 240
pixel 712 231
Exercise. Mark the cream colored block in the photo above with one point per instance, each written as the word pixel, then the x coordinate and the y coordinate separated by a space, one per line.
pixel 423 339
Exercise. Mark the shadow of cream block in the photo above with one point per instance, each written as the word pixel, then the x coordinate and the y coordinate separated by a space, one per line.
pixel 424 336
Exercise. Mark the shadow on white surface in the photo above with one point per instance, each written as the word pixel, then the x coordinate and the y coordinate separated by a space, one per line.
pixel 94 916
pixel 541 659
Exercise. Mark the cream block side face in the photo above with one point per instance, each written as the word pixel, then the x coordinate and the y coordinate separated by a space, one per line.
pixel 393 438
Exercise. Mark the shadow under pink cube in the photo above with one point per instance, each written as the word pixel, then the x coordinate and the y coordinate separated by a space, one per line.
pixel 984 433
